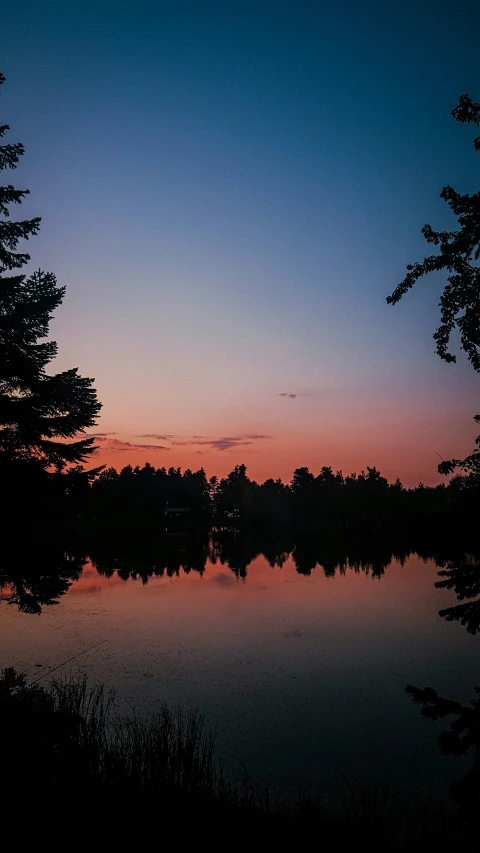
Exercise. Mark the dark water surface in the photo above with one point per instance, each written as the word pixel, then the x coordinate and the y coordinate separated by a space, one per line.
pixel 303 674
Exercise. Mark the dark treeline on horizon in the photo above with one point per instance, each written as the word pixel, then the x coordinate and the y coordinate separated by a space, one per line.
pixel 151 495
pixel 172 498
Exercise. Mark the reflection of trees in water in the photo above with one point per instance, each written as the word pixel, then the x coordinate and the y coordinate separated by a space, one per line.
pixel 462 576
pixel 372 560
pixel 37 576
pixel 306 560
pixel 308 554
pixel 141 560
pixel 237 551
pixel 40 575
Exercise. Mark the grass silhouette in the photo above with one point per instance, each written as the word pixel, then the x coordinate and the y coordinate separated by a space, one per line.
pixel 95 781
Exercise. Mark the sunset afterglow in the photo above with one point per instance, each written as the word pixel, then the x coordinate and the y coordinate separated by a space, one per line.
pixel 229 207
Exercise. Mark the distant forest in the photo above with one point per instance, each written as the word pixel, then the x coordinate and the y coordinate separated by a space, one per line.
pixel 172 498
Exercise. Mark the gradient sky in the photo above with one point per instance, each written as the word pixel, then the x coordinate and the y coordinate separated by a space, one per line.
pixel 229 191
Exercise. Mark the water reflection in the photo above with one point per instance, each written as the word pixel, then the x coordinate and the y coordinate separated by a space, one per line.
pixel 461 738
pixel 462 576
pixel 33 577
pixel 238 551
pixel 38 575
pixel 299 649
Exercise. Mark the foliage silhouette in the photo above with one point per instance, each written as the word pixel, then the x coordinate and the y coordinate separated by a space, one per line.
pixel 458 255
pixel 39 412
pixel 462 575
pixel 146 496
pixel 142 773
pixel 460 302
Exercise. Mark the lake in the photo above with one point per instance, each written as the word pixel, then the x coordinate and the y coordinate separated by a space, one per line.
pixel 299 661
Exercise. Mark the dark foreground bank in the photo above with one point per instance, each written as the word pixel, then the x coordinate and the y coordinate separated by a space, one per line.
pixel 77 777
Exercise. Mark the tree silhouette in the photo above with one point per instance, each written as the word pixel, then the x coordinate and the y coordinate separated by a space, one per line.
pixel 460 302
pixel 235 494
pixel 145 494
pixel 459 253
pixel 39 412
pixel 364 502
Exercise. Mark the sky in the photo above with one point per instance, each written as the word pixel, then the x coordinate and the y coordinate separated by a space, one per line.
pixel 229 191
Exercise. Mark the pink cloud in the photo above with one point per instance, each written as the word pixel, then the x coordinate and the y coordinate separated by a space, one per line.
pixel 115 445
pixel 223 443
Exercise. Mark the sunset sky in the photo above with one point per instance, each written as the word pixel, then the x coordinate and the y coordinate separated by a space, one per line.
pixel 229 191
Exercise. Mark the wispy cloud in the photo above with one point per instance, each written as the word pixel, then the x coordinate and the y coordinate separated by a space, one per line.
pixel 225 442
pixel 100 434
pixel 201 444
pixel 115 445
pixel 155 435
pixel 321 392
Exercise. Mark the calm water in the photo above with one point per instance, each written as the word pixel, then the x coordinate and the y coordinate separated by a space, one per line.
pixel 303 675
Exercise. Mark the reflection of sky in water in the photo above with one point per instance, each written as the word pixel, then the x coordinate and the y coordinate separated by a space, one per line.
pixel 302 675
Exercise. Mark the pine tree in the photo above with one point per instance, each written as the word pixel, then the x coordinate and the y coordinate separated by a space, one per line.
pixel 39 412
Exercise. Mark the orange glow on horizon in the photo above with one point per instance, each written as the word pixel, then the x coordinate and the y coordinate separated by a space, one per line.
pixel 412 462
pixel 399 434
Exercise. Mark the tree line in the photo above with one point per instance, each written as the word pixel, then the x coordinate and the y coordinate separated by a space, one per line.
pixel 145 495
